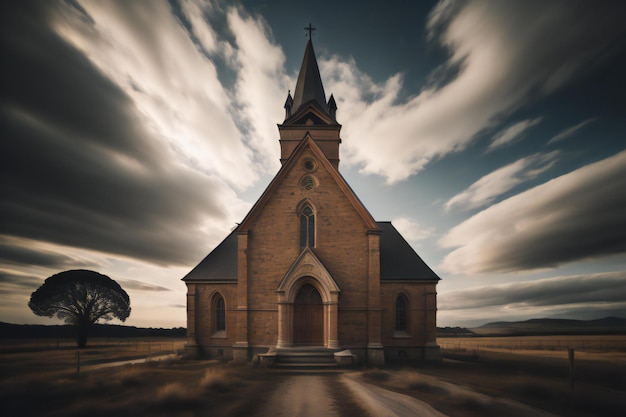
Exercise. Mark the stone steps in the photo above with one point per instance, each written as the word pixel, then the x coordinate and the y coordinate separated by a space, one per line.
pixel 305 358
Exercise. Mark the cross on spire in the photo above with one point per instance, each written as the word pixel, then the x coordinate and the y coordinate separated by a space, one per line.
pixel 310 29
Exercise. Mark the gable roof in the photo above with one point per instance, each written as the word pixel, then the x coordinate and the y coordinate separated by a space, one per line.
pixel 398 260
pixel 307 143
pixel 219 265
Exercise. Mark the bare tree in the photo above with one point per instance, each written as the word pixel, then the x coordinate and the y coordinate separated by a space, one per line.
pixel 81 298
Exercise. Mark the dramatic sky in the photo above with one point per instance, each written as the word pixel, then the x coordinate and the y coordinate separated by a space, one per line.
pixel 135 134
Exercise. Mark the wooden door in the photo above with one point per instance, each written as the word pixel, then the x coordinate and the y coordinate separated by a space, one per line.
pixel 308 317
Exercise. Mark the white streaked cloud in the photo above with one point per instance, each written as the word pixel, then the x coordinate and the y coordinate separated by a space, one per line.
pixel 583 296
pixel 576 216
pixel 411 230
pixel 485 191
pixel 504 54
pixel 512 133
pixel 556 291
pixel 261 86
pixel 150 56
pixel 566 133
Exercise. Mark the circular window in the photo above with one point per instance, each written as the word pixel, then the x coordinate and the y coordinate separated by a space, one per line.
pixel 309 164
pixel 308 182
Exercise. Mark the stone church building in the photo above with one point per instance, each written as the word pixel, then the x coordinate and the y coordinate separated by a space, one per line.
pixel 309 265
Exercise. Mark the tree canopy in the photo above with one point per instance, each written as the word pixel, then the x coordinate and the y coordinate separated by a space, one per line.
pixel 81 298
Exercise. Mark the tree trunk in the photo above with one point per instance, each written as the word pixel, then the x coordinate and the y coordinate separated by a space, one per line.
pixel 82 333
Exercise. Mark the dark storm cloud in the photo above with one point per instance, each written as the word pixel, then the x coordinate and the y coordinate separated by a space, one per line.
pixel 605 288
pixel 78 168
pixel 577 216
pixel 20 255
pixel 16 284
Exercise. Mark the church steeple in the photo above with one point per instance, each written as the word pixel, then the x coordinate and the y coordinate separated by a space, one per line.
pixel 309 114
pixel 309 86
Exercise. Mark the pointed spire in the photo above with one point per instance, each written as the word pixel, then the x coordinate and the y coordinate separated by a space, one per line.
pixel 288 105
pixel 332 106
pixel 309 85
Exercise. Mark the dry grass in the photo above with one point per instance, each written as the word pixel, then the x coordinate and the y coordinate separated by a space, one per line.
pixel 591 347
pixel 376 375
pixel 43 381
pixel 219 380
pixel 129 376
pixel 415 381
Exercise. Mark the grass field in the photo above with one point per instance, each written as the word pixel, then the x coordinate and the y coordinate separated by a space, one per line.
pixel 23 357
pixel 590 347
pixel 478 377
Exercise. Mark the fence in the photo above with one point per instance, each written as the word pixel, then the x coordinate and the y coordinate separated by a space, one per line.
pixel 27 356
pixel 583 343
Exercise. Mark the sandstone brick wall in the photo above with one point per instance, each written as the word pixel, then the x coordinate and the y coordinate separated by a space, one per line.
pixel 422 304
pixel 204 316
pixel 341 244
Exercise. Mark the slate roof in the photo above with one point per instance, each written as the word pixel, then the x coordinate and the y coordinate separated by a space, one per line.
pixel 309 85
pixel 398 260
pixel 219 265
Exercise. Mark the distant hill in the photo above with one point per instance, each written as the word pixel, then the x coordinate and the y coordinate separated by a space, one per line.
pixel 607 325
pixel 33 331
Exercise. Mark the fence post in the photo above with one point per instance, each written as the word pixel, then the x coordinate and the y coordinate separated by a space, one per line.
pixel 570 354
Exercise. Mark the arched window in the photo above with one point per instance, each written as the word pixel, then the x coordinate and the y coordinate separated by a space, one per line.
pixel 401 312
pixel 307 227
pixel 220 313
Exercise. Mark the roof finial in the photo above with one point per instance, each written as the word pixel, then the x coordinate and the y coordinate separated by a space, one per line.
pixel 310 29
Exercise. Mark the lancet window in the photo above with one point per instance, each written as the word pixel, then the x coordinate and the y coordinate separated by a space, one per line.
pixel 307 227
pixel 401 312
pixel 220 313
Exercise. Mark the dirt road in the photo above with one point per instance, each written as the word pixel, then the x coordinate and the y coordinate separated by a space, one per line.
pixel 315 395
pixel 300 395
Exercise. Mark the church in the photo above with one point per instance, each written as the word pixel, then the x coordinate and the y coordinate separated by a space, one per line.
pixel 309 267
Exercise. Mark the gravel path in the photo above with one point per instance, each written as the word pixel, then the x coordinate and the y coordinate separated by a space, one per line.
pixel 380 402
pixel 310 396
pixel 302 396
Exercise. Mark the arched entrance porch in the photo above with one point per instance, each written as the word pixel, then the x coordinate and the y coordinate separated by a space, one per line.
pixel 308 299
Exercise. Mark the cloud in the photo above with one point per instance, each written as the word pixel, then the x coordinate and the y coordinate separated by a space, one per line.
pixel 576 216
pixel 571 291
pixel 484 191
pixel 130 284
pixel 566 133
pixel 25 252
pixel 512 133
pixel 145 51
pixel 117 134
pixel 11 282
pixel 261 85
pixel 501 55
pixel 411 230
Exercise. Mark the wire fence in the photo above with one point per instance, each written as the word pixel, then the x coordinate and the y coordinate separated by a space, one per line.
pixel 139 345
pixel 28 356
